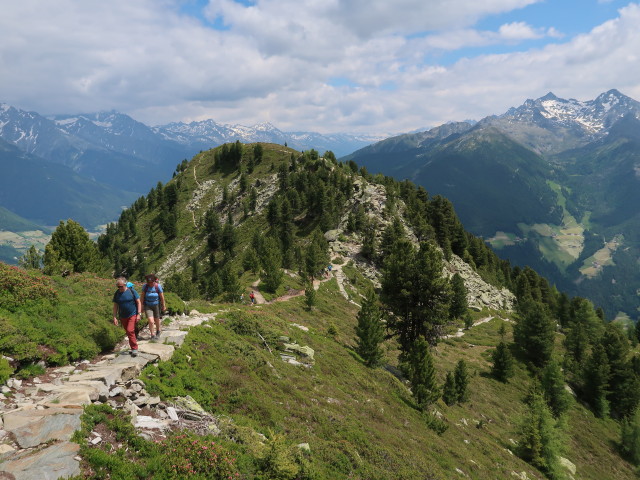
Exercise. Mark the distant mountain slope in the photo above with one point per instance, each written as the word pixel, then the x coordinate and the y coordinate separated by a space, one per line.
pixel 45 192
pixel 9 221
pixel 206 134
pixel 551 183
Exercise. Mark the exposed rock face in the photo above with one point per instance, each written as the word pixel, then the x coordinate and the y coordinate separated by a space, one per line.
pixel 479 293
pixel 374 200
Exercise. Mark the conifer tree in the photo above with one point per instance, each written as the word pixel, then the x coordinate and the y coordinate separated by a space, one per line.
pixel 370 331
pixel 32 259
pixel 630 437
pixel 271 261
pixel 415 290
pixel 459 297
pixel 461 377
pixel 556 396
pixel 449 390
pixel 534 333
pixel 70 248
pixel 250 260
pixel 310 296
pixel 229 238
pixel 595 381
pixel 502 368
pixel 540 441
pixel 421 372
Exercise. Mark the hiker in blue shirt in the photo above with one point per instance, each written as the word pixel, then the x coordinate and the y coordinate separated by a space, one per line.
pixel 127 307
pixel 153 299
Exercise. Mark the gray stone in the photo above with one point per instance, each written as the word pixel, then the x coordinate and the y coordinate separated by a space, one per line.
pixel 6 451
pixel 51 463
pixel 14 383
pixel 188 403
pixel 173 415
pixel 34 427
pixel 116 391
pixel 305 351
pixel 568 465
pixel 151 423
pixel 163 352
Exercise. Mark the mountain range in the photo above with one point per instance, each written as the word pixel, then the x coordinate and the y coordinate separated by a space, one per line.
pixel 116 157
pixel 553 184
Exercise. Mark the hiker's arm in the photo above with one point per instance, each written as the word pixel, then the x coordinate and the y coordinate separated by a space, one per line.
pixel 139 305
pixel 115 313
pixel 164 305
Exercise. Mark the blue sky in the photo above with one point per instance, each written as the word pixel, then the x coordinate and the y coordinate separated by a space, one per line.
pixel 370 66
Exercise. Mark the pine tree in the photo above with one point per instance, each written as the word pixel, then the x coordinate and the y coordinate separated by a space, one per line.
pixel 540 441
pixel 557 397
pixel 449 390
pixel 32 259
pixel 461 377
pixel 421 372
pixel 502 368
pixel 534 333
pixel 596 376
pixel 415 290
pixel 271 261
pixel 370 331
pixel 630 437
pixel 459 297
pixel 310 296
pixel 70 248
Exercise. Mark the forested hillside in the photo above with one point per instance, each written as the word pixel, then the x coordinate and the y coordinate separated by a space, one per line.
pixel 419 362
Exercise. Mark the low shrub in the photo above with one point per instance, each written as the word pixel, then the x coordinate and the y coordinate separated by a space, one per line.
pixel 5 370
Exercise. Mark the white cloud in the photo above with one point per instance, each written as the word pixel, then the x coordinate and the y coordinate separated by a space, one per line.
pixel 275 61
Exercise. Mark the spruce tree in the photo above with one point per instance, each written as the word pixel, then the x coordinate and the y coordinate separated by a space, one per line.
pixel 370 331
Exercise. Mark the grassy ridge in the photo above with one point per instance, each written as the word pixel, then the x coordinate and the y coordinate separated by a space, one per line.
pixel 362 423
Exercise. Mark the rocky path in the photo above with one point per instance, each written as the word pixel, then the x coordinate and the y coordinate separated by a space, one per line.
pixel 38 416
pixel 461 331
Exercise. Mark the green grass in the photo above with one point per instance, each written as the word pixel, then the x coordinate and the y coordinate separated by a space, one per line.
pixel 55 319
pixel 362 423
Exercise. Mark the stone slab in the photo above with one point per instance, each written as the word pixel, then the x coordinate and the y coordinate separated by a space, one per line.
pixel 110 374
pixel 162 351
pixel 51 463
pixel 34 427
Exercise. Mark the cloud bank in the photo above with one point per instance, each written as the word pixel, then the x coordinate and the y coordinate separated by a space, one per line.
pixel 324 65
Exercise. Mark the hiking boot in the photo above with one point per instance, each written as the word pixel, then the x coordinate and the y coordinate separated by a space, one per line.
pixel 134 353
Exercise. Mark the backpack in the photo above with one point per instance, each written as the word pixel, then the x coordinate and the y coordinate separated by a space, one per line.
pixel 155 285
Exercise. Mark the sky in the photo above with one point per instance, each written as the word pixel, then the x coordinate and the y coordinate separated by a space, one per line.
pixel 356 66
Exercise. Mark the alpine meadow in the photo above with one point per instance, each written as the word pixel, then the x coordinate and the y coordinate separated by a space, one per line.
pixel 385 341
